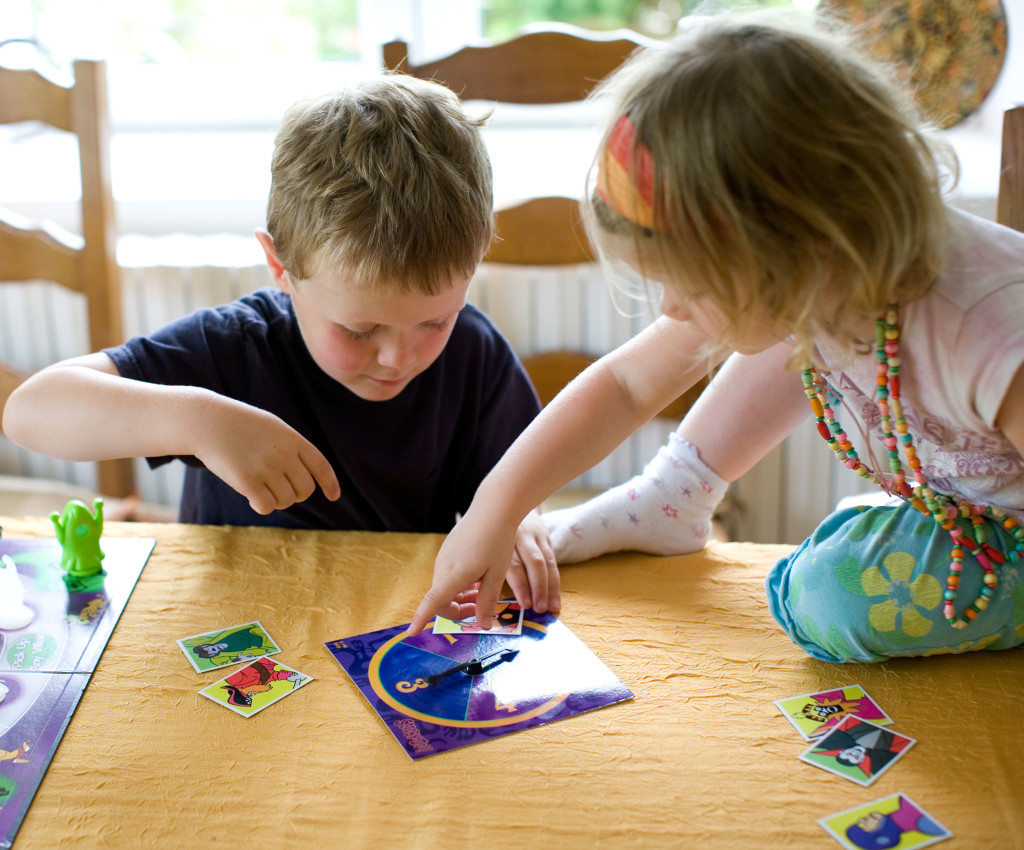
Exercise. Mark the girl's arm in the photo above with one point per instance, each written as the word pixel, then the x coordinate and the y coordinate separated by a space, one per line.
pixel 82 409
pixel 1010 419
pixel 587 420
pixel 750 407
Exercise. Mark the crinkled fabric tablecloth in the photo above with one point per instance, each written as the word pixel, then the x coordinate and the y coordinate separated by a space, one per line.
pixel 700 758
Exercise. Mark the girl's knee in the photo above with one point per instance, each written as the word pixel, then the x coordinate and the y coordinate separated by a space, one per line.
pixel 869 585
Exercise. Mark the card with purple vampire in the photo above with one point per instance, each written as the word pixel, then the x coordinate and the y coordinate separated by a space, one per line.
pixel 438 692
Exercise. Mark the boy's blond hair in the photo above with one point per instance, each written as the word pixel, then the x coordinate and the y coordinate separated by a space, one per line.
pixel 387 183
pixel 791 179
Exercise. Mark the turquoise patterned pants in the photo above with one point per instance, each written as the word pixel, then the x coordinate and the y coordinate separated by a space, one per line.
pixel 868 585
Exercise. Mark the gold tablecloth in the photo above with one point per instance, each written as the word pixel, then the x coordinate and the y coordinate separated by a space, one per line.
pixel 700 758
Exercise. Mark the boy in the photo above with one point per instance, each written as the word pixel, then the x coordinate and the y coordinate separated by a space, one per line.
pixel 364 373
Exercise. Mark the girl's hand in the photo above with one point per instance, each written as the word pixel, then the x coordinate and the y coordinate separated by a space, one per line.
pixel 261 457
pixel 533 575
pixel 477 553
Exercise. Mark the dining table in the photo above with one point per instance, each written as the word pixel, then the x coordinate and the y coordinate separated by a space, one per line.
pixel 699 756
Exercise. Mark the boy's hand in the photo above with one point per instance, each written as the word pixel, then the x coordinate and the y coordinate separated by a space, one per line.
pixel 262 457
pixel 533 575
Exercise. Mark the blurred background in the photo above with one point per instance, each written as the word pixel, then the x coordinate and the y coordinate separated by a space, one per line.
pixel 196 91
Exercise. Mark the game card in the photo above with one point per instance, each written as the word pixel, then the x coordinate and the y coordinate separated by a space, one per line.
pixel 813 715
pixel 893 821
pixel 225 647
pixel 857 750
pixel 508 621
pixel 256 686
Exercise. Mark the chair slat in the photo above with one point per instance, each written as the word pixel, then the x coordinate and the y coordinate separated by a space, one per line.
pixel 1010 202
pixel 541 232
pixel 29 96
pixel 535 67
pixel 37 254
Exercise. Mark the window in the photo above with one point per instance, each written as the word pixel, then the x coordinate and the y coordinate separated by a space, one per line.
pixel 197 88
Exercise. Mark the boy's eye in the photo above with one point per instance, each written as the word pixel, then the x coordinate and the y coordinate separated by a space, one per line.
pixel 357 335
pixel 439 325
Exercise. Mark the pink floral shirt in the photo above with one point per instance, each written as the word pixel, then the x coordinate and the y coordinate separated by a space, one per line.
pixel 960 347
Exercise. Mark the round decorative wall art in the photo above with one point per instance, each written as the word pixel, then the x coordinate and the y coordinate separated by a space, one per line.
pixel 950 51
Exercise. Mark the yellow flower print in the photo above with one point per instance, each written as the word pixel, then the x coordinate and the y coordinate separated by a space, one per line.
pixel 905 599
pixel 966 646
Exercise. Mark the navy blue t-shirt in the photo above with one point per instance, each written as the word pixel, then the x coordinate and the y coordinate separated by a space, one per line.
pixel 407 464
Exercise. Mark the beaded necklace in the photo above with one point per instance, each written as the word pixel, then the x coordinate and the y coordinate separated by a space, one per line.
pixel 943 509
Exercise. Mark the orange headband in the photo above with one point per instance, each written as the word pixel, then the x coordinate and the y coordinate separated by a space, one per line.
pixel 627 192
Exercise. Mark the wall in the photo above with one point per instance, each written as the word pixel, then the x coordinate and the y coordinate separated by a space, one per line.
pixel 537 309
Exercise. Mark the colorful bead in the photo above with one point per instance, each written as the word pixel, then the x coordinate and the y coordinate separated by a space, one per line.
pixel 944 510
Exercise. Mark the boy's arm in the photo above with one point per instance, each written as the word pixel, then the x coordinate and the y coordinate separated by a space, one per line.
pixel 82 409
pixel 587 420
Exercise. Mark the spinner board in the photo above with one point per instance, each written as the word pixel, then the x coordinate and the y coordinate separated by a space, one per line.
pixel 438 692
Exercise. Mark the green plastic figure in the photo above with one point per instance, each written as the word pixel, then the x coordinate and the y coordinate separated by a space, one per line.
pixel 78 532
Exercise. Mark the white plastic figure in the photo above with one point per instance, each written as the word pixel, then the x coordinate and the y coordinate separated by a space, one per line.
pixel 14 613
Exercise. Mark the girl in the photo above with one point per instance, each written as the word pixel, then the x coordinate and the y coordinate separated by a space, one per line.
pixel 780 190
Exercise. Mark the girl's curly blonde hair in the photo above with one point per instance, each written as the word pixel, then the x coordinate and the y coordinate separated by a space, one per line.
pixel 792 180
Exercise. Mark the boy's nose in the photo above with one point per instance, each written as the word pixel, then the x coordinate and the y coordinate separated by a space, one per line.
pixel 395 353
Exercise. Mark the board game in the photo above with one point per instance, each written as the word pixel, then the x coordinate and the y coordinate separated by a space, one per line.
pixel 46 665
pixel 440 691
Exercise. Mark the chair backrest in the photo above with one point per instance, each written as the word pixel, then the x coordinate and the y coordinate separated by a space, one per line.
pixel 87 265
pixel 1010 203
pixel 560 64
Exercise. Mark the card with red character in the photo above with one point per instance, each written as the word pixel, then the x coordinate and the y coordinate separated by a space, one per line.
pixel 256 686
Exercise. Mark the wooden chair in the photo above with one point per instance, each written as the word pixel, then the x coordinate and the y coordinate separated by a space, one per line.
pixel 1010 202
pixel 559 64
pixel 86 265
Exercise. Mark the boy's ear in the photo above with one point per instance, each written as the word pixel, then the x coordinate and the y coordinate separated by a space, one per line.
pixel 277 271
